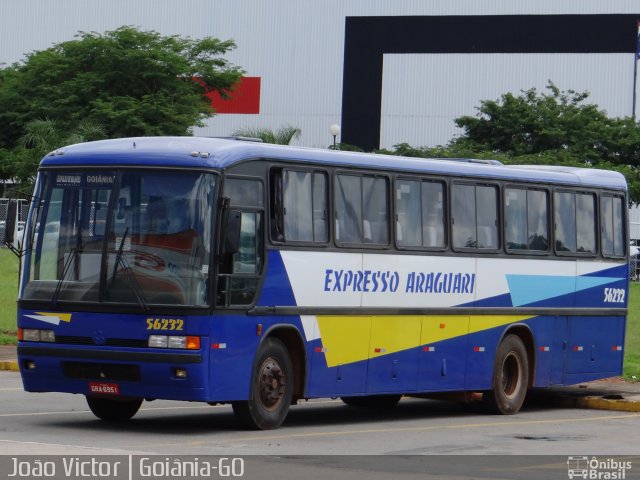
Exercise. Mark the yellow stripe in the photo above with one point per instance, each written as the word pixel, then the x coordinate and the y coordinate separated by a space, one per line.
pixel 346 339
pixel 65 317
pixel 349 339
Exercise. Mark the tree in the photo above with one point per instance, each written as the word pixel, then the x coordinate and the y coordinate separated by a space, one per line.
pixel 43 136
pixel 128 81
pixel 555 128
pixel 283 136
pixel 532 123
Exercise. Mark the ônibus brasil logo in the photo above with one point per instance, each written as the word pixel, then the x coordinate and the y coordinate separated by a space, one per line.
pixel 596 469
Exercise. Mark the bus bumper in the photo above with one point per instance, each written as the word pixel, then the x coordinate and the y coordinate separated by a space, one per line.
pixel 144 373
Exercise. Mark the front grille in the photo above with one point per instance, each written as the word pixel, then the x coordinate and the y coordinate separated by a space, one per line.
pixel 126 342
pixel 67 340
pixel 101 371
pixel 110 342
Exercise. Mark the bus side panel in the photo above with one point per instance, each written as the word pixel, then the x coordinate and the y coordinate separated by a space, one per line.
pixel 338 365
pixel 559 350
pixel 549 349
pixel 482 348
pixel 235 340
pixel 595 348
pixel 442 363
pixel 595 344
pixel 394 354
pixel 233 346
pixel 600 287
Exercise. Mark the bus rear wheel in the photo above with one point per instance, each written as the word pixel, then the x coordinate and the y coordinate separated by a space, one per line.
pixel 510 377
pixel 271 388
pixel 111 410
pixel 372 401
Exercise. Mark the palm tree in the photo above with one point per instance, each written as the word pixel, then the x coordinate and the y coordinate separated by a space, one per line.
pixel 43 136
pixel 282 136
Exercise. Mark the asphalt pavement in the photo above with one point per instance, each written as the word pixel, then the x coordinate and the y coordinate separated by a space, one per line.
pixel 607 394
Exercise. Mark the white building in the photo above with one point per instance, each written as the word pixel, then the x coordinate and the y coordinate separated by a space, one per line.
pixel 387 72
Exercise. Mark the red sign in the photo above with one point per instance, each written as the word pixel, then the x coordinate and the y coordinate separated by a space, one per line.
pixel 244 97
pixel 99 388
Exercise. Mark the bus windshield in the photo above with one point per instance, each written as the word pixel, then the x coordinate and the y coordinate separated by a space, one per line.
pixel 127 237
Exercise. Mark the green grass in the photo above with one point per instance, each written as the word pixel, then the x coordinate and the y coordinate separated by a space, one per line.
pixel 9 293
pixel 632 342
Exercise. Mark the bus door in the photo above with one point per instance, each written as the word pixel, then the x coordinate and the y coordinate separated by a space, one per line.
pixel 239 275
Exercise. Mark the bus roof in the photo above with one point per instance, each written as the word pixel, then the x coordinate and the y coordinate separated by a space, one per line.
pixel 218 153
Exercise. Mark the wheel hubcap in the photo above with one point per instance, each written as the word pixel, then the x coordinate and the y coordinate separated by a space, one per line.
pixel 272 383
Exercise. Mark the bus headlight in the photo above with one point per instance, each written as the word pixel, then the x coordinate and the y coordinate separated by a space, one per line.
pixel 174 341
pixel 47 336
pixel 158 341
pixel 37 335
pixel 177 342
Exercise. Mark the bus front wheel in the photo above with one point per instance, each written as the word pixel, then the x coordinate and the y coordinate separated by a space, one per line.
pixel 510 377
pixel 271 388
pixel 113 410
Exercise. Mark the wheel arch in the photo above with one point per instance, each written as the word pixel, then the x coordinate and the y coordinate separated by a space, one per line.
pixel 523 331
pixel 291 337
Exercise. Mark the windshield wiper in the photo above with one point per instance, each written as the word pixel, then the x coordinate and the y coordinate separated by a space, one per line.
pixel 73 254
pixel 122 261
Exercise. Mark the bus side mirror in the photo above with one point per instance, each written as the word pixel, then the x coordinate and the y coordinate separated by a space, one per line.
pixel 10 222
pixel 232 224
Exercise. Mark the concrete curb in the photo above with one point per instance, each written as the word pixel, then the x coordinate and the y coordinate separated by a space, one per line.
pixel 599 403
pixel 9 365
pixel 596 403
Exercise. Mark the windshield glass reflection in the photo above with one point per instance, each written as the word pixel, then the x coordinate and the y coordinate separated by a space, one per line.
pixel 141 237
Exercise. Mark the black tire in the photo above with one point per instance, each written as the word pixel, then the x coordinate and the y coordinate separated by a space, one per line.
pixel 111 410
pixel 271 388
pixel 510 378
pixel 372 401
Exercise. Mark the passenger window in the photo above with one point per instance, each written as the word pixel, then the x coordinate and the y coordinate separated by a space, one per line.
pixel 299 206
pixel 611 219
pixel 526 220
pixel 586 223
pixel 348 209
pixel 574 218
pixel 565 222
pixel 361 210
pixel 420 214
pixel 475 216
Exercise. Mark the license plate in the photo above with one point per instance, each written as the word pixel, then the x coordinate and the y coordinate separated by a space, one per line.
pixel 100 388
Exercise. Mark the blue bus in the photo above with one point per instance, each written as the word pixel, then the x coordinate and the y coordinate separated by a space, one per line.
pixel 228 271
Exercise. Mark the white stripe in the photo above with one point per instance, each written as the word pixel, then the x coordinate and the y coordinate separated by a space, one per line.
pixel 54 320
pixel 310 327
